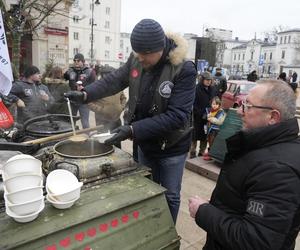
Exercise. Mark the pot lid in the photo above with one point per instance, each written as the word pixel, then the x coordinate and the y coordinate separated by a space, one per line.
pixel 52 126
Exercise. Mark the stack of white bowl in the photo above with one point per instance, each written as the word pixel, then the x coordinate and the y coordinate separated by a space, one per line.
pixel 63 188
pixel 23 187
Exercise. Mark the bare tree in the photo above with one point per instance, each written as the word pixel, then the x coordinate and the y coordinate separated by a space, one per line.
pixel 271 35
pixel 26 17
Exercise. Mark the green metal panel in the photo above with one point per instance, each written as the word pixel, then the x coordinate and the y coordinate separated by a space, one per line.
pixel 129 213
pixel 231 125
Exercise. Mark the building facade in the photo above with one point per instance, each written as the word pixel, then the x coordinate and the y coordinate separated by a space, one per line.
pixel 102 18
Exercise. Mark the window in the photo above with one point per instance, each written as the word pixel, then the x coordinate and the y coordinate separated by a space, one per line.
pixel 284 39
pixel 76 36
pixel 283 54
pixel 265 56
pixel 127 49
pixel 239 56
pixel 75 51
pixel 234 57
pixel 263 69
pixel 243 56
pixel 252 53
pixel 281 40
pixel 106 26
pixel 289 39
pixel 106 54
pixel 269 69
pixel 90 22
pixel 75 19
pixel 271 56
pixel 107 11
pixel 121 44
pixel 107 39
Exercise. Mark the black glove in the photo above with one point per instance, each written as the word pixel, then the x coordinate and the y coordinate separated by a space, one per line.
pixel 122 133
pixel 75 96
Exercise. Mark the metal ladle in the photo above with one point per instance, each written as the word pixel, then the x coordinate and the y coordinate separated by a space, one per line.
pixel 75 138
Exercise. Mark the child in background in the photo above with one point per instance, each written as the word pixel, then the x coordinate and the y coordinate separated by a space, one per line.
pixel 215 119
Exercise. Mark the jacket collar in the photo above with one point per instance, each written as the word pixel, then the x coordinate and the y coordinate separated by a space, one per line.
pixel 245 141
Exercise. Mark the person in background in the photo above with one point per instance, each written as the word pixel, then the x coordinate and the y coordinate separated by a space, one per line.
pixel 84 75
pixel 57 87
pixel 252 77
pixel 161 94
pixel 205 91
pixel 34 96
pixel 220 82
pixel 282 77
pixel 215 119
pixel 256 201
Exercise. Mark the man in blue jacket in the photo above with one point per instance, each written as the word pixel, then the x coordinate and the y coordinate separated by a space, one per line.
pixel 161 94
pixel 256 202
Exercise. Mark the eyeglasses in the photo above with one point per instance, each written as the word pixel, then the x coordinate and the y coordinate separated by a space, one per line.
pixel 246 106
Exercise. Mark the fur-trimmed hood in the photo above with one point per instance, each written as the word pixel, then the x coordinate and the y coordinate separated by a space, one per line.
pixel 179 53
pixel 52 81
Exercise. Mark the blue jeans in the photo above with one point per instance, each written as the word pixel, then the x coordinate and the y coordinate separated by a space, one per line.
pixel 167 172
pixel 84 113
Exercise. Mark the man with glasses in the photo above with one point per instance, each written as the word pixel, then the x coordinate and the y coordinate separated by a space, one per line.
pixel 79 76
pixel 256 201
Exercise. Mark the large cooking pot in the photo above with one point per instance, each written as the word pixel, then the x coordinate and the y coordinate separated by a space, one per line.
pixel 89 160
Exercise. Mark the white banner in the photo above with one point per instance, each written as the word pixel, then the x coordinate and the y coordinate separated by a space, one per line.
pixel 6 76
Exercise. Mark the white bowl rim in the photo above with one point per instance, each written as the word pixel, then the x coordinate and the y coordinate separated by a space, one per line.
pixel 60 202
pixel 25 189
pixel 30 159
pixel 21 175
pixel 24 156
pixel 12 214
pixel 20 204
pixel 78 185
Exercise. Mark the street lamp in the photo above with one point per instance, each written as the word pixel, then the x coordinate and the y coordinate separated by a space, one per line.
pixel 97 2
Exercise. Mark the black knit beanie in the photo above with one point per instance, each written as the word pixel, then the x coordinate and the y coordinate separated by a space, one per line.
pixel 147 37
pixel 79 57
pixel 31 70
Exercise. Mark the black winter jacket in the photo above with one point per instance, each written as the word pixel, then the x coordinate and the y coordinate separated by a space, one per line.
pixel 256 202
pixel 148 129
pixel 202 101
pixel 86 75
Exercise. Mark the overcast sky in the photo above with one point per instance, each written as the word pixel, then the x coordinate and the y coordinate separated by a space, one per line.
pixel 243 17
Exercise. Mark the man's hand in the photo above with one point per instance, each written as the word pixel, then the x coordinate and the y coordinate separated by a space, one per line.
pixel 20 103
pixel 75 96
pixel 122 133
pixel 194 204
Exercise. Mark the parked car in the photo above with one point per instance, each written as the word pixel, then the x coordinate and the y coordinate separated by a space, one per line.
pixel 236 93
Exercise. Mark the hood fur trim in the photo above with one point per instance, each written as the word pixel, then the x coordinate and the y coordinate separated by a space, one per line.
pixel 178 54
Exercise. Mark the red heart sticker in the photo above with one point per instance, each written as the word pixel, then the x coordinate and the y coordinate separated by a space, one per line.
pixel 125 218
pixel 65 242
pixel 79 236
pixel 103 227
pixel 91 232
pixel 135 214
pixel 134 73
pixel 53 247
pixel 114 223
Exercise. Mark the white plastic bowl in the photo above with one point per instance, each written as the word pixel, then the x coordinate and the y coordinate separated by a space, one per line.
pixel 25 208
pixel 103 136
pixel 20 156
pixel 22 166
pixel 24 218
pixel 20 182
pixel 68 196
pixel 24 195
pixel 61 181
pixel 59 204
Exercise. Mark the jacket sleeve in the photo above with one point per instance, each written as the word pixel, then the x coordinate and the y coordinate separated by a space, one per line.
pixel 178 111
pixel 110 84
pixel 273 200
